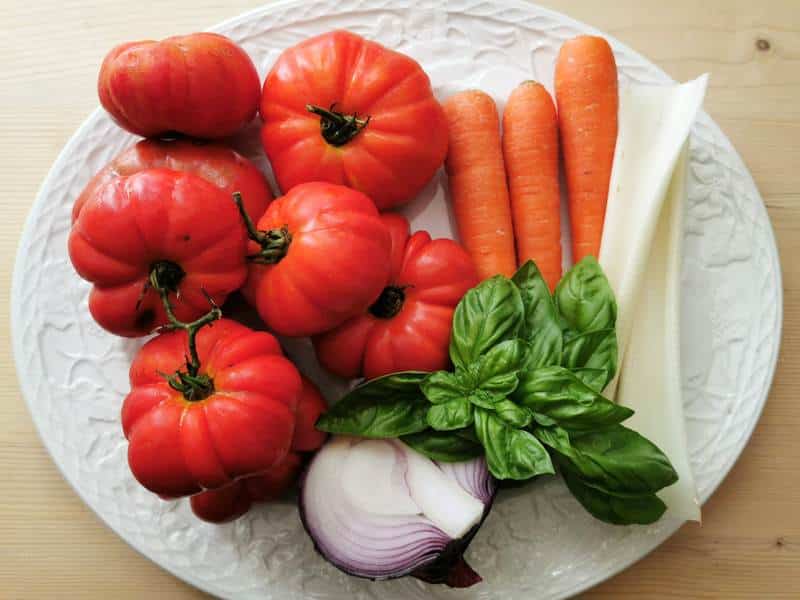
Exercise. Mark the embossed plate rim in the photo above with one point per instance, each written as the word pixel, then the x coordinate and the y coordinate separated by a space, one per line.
pixel 186 574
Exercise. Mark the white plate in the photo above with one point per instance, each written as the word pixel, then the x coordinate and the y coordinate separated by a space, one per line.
pixel 538 542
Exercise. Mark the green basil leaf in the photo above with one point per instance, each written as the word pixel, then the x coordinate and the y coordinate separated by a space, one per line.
pixel 485 399
pixel 468 434
pixel 633 510
pixel 455 414
pixel 596 349
pixel 593 378
pixel 516 416
pixel 615 460
pixel 442 386
pixel 488 314
pixel 543 420
pixel 559 394
pixel 541 325
pixel 496 371
pixel 444 446
pixel 584 298
pixel 510 453
pixel 385 407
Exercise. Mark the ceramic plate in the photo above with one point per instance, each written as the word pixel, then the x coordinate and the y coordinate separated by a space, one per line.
pixel 538 542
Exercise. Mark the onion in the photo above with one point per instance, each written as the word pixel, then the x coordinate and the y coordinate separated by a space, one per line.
pixel 380 510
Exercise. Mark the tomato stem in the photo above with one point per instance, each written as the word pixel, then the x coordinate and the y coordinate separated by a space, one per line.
pixel 274 242
pixel 192 384
pixel 389 302
pixel 337 128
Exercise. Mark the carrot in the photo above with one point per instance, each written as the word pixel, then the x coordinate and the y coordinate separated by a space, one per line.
pixel 530 150
pixel 587 97
pixel 477 179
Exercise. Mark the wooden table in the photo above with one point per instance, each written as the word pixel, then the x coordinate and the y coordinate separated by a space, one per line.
pixel 53 546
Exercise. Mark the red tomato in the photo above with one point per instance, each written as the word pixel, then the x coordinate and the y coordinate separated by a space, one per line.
pixel 343 109
pixel 202 85
pixel 228 170
pixel 231 502
pixel 408 327
pixel 330 259
pixel 177 225
pixel 241 425
pixel 310 406
pixel 234 500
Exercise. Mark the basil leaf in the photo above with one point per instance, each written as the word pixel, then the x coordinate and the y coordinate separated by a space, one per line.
pixel 596 349
pixel 516 416
pixel 442 386
pixel 543 420
pixel 584 299
pixel 616 460
pixel 444 446
pixel 633 510
pixel 593 378
pixel 559 394
pixel 385 407
pixel 468 434
pixel 454 414
pixel 496 371
pixel 510 453
pixel 485 399
pixel 488 314
pixel 541 326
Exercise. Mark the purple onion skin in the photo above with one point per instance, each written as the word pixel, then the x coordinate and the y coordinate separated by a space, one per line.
pixel 449 568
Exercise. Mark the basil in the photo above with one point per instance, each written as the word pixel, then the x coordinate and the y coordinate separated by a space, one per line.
pixel 444 446
pixel 595 349
pixel 560 395
pixel 616 460
pixel 541 325
pixel 510 453
pixel 441 386
pixel 634 510
pixel 584 298
pixel 488 314
pixel 453 414
pixel 516 416
pixel 593 378
pixel 496 372
pixel 385 407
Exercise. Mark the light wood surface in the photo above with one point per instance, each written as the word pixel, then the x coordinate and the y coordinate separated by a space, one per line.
pixel 53 546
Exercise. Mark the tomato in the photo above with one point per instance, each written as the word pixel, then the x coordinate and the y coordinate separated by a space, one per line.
pixel 215 163
pixel 323 256
pixel 202 85
pixel 175 227
pixel 232 418
pixel 408 327
pixel 310 406
pixel 343 109
pixel 231 502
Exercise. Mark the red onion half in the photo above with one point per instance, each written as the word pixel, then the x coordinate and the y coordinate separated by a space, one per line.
pixel 380 510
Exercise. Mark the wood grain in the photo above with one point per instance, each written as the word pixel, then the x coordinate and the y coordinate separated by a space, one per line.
pixel 52 546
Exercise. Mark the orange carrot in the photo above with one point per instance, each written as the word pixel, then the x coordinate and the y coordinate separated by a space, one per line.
pixel 477 180
pixel 587 97
pixel 530 150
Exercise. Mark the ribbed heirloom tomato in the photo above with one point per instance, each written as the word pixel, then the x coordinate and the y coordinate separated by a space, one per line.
pixel 202 85
pixel 225 413
pixel 343 109
pixel 157 229
pixel 217 164
pixel 234 500
pixel 408 327
pixel 320 255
